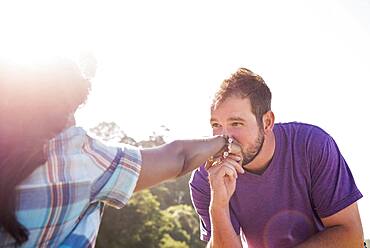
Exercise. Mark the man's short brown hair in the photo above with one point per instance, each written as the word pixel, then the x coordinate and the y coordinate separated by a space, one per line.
pixel 246 84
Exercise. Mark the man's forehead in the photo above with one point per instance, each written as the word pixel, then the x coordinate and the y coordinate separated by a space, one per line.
pixel 233 109
pixel 233 106
pixel 231 101
pixel 232 117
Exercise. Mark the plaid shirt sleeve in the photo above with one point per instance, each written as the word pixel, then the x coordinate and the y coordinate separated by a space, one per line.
pixel 60 202
pixel 119 171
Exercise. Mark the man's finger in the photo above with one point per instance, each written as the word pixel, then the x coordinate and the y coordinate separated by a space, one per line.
pixel 237 158
pixel 226 168
pixel 230 171
pixel 235 148
pixel 234 161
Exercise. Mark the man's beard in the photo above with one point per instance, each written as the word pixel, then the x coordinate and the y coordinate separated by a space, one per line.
pixel 253 152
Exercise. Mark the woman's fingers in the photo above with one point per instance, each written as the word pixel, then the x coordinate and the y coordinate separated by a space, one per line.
pixel 231 164
pixel 231 160
pixel 234 148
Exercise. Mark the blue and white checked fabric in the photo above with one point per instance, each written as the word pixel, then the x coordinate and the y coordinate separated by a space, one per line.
pixel 60 203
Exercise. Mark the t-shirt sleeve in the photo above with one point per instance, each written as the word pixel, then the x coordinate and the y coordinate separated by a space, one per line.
pixel 333 186
pixel 201 197
pixel 118 171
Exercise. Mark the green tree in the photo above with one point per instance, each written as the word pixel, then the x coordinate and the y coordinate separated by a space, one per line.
pixel 140 225
pixel 109 131
pixel 161 217
pixel 168 242
pixel 185 224
pixel 173 192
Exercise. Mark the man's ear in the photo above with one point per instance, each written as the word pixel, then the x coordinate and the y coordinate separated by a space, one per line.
pixel 268 121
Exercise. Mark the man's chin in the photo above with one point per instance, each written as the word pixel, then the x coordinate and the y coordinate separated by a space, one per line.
pixel 246 162
pixel 249 159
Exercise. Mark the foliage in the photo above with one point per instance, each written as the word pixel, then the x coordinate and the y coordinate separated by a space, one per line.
pixel 161 217
pixel 168 242
pixel 185 224
pixel 173 192
pixel 139 225
pixel 110 131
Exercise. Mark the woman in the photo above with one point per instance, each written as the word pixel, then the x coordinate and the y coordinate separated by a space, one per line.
pixel 54 178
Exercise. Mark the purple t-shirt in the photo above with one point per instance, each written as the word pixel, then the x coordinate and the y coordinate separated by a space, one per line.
pixel 307 179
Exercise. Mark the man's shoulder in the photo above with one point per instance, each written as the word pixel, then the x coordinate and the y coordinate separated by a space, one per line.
pixel 300 128
pixel 301 134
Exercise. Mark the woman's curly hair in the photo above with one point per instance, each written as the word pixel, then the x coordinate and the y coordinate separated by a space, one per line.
pixel 36 102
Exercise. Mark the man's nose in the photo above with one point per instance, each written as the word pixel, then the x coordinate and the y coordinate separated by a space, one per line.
pixel 222 131
pixel 226 132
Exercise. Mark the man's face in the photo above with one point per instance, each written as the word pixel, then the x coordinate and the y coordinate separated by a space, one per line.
pixel 234 118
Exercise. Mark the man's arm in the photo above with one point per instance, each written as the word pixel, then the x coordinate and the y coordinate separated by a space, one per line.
pixel 343 229
pixel 176 159
pixel 223 233
pixel 222 179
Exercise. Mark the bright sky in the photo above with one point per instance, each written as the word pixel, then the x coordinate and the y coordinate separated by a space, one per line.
pixel 161 61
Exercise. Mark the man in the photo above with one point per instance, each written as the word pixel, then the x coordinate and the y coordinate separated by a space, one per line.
pixel 54 178
pixel 293 188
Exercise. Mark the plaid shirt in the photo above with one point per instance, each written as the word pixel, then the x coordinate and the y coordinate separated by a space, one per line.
pixel 61 202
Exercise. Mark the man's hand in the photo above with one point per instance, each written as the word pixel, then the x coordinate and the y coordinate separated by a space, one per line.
pixel 222 179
